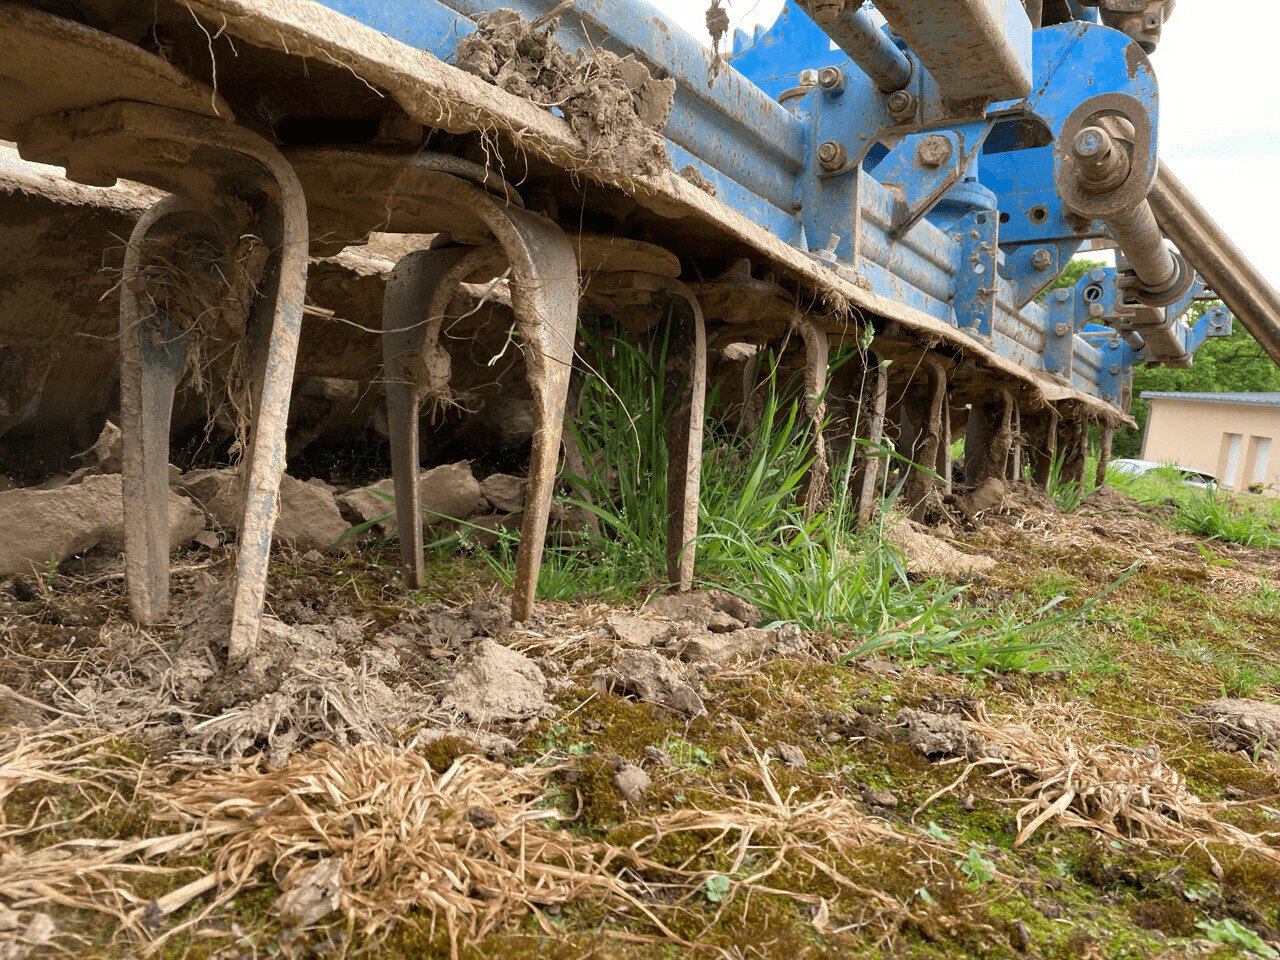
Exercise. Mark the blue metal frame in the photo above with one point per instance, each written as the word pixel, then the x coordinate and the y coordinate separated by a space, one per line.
pixel 972 239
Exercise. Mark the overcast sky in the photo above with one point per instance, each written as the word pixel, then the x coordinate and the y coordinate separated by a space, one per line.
pixel 1220 128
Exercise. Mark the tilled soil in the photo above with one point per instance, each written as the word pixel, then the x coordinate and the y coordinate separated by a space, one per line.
pixel 403 776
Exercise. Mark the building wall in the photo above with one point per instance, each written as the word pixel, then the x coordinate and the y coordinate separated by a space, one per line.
pixel 1214 438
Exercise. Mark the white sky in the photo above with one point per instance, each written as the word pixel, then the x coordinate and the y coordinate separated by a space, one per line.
pixel 1220 124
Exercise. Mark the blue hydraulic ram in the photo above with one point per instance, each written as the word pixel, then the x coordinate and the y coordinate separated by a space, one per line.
pixel 912 176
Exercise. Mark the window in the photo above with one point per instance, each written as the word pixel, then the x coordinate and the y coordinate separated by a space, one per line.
pixel 1261 459
pixel 1231 460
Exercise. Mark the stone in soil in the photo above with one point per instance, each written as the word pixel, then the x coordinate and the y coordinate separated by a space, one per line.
pixel 44 525
pixel 449 491
pixel 497 685
pixel 504 492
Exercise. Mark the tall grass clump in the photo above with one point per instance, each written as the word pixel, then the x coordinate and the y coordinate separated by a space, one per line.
pixel 1209 512
pixel 820 570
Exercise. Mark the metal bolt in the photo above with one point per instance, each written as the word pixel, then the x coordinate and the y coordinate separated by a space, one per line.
pixel 832 156
pixel 1114 368
pixel 901 105
pixel 1103 164
pixel 1042 259
pixel 1061 329
pixel 934 150
pixel 808 78
pixel 1062 296
pixel 832 80
pixel 1095 310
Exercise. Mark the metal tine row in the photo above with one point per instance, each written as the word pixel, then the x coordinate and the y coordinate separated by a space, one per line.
pixel 154 125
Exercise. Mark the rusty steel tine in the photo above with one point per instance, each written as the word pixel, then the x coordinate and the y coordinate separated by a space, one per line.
pixel 817 360
pixel 920 484
pixel 1015 450
pixel 944 448
pixel 406 327
pixel 867 496
pixel 686 382
pixel 1104 455
pixel 684 446
pixel 1045 439
pixel 153 354
pixel 989 439
pixel 544 296
pixel 277 323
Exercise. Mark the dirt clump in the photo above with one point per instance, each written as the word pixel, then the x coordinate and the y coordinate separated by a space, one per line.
pixel 1249 725
pixel 647 676
pixel 941 734
pixel 931 556
pixel 497 684
pixel 791 756
pixel 614 105
pixel 308 517
pixel 717 610
pixel 504 492
pixel 314 894
pixel 632 782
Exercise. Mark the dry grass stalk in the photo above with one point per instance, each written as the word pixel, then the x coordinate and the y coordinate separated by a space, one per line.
pixel 385 835
pixel 1117 791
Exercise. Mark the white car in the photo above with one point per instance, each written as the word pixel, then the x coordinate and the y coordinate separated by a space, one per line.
pixel 1192 478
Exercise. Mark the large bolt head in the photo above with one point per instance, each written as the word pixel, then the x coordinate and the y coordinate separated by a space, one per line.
pixel 934 150
pixel 1061 329
pixel 1042 259
pixel 1091 144
pixel 832 79
pixel 901 104
pixel 1062 295
pixel 832 156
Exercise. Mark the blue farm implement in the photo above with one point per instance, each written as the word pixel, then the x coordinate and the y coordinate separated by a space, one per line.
pixel 909 177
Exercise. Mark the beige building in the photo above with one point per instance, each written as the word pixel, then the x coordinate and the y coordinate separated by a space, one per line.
pixel 1231 435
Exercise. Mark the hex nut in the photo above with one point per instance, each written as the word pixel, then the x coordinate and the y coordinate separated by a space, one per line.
pixel 1061 329
pixel 1042 259
pixel 934 150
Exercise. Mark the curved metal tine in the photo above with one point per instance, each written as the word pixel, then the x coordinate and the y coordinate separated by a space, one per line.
pixel 275 326
pixel 817 361
pixel 544 297
pixel 406 325
pixel 685 388
pixel 544 293
pixel 153 354
pixel 684 442
pixel 139 139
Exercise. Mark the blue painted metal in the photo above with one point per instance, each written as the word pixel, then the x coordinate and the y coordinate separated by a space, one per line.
pixel 971 239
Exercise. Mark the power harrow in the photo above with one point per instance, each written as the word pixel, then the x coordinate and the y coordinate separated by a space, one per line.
pixel 912 186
